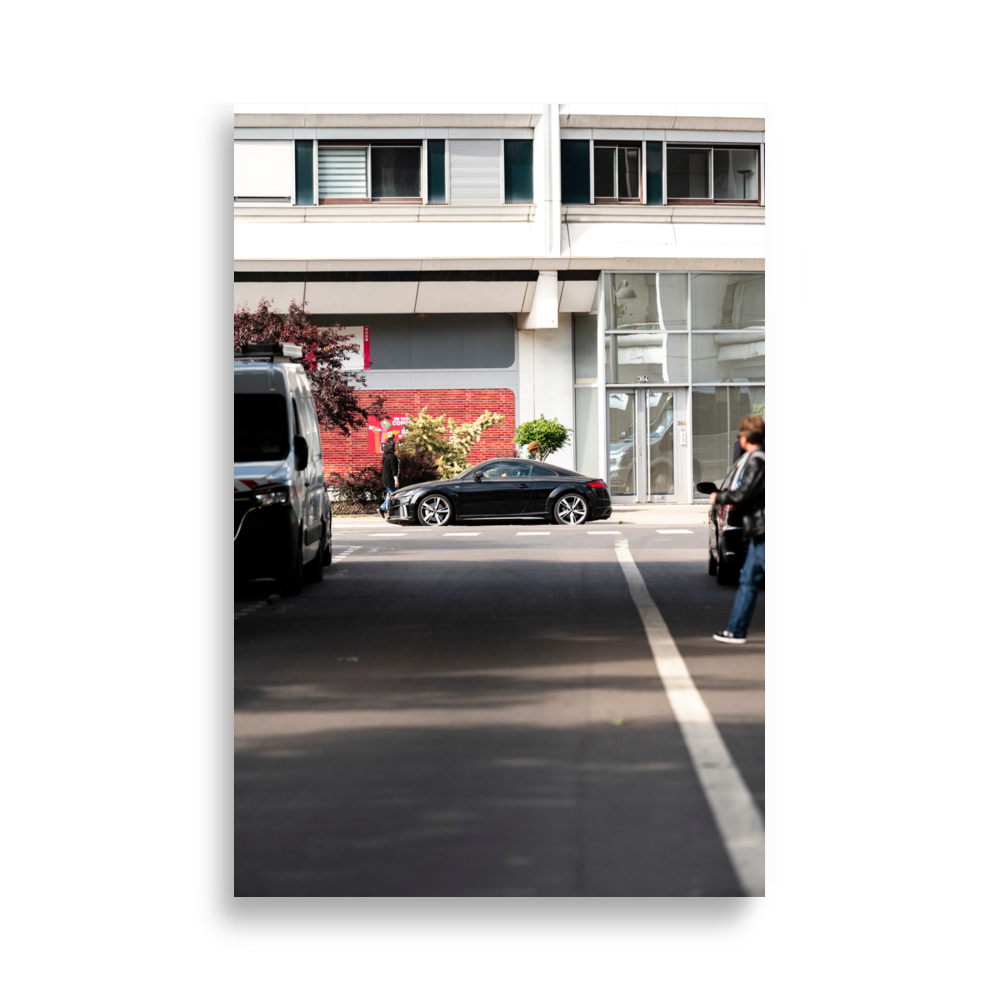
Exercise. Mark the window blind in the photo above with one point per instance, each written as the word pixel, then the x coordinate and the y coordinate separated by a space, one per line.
pixel 263 170
pixel 343 171
pixel 476 171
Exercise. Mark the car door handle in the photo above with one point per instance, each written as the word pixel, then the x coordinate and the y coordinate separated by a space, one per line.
pixel 523 486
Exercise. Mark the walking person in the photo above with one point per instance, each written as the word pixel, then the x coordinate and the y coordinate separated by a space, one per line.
pixel 532 450
pixel 747 491
pixel 390 470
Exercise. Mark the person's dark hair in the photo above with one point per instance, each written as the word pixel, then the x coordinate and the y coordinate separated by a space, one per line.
pixel 389 445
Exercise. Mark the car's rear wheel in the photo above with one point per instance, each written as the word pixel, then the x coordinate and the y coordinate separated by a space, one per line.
pixel 434 511
pixel 571 509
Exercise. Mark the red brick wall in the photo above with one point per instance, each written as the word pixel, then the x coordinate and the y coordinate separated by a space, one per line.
pixel 342 453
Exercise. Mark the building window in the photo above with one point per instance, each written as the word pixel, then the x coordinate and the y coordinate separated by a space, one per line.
pixel 518 172
pixel 716 411
pixel 437 193
pixel 654 173
pixel 263 171
pixel 574 163
pixel 616 173
pixel 704 175
pixel 304 194
pixel 476 167
pixel 444 341
pixel 395 172
pixel 370 172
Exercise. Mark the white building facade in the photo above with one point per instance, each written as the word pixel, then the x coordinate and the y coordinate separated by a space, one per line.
pixel 602 265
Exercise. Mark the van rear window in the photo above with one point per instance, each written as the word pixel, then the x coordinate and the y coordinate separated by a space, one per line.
pixel 261 424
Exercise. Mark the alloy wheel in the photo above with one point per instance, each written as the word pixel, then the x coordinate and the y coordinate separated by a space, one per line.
pixel 434 511
pixel 571 509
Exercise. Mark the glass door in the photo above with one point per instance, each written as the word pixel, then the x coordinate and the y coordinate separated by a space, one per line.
pixel 622 465
pixel 660 428
pixel 647 442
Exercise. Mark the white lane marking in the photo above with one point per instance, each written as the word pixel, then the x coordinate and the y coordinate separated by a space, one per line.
pixel 401 534
pixel 534 532
pixel 461 534
pixel 673 531
pixel 603 532
pixel 345 553
pixel 732 805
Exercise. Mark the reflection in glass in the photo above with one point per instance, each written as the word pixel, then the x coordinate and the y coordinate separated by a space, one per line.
pixel 716 414
pixel 585 435
pixel 660 357
pixel 660 421
pixel 628 172
pixel 733 355
pixel 395 171
pixel 621 443
pixel 735 174
pixel 604 171
pixel 648 301
pixel 727 301
pixel 687 173
pixel 585 348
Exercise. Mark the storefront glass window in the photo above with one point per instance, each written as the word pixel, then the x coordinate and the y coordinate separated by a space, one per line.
pixel 728 356
pixel 647 301
pixel 585 436
pixel 727 301
pixel 652 357
pixel 585 349
pixel 715 419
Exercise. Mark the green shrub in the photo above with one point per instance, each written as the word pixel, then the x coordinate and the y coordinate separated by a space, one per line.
pixel 550 435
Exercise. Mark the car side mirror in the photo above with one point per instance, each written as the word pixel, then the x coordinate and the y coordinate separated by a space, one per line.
pixel 478 476
pixel 301 453
pixel 707 488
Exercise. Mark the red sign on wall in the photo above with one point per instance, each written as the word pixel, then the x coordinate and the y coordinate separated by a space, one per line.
pixel 378 430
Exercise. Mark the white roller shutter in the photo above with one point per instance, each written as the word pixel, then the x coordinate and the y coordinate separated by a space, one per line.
pixel 263 170
pixel 476 171
pixel 343 172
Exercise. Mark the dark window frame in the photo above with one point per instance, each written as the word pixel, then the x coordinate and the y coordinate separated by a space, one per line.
pixel 616 145
pixel 367 144
pixel 711 173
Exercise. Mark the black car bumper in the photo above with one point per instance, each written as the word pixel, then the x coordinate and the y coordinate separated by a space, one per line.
pixel 266 543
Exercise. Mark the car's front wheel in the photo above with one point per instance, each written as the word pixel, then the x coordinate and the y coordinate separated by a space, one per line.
pixel 570 509
pixel 434 511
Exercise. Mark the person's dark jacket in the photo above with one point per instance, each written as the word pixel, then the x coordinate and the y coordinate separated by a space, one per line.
pixel 749 495
pixel 390 469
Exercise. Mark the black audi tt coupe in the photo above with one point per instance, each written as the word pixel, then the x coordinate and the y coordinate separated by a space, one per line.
pixel 503 489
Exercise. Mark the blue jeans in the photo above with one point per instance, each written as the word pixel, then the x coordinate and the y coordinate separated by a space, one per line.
pixel 746 597
pixel 385 502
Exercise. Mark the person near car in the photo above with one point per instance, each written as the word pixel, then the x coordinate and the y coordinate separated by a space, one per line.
pixel 390 470
pixel 532 450
pixel 737 449
pixel 747 490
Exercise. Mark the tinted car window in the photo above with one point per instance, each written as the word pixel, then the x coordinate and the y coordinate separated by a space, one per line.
pixel 506 470
pixel 261 427
pixel 539 470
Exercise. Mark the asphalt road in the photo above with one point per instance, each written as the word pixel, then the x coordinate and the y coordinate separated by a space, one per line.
pixel 480 715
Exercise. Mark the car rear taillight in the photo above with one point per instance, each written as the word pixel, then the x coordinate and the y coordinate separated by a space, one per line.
pixel 598 484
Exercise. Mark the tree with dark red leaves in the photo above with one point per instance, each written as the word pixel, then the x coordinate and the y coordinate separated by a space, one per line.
pixel 324 350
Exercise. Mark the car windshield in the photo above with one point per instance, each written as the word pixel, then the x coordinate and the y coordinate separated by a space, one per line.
pixel 260 421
